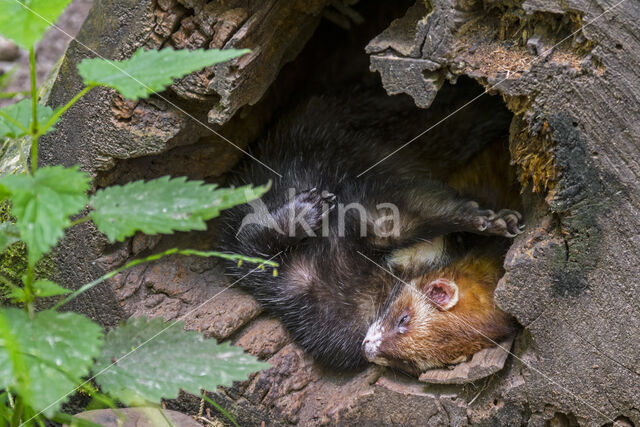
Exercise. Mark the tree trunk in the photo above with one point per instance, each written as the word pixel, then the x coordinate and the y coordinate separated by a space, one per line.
pixel 571 277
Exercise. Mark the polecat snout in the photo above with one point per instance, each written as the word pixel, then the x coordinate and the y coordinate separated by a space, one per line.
pixel 441 317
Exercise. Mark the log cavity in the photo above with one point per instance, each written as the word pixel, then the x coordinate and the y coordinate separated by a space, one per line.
pixel 333 57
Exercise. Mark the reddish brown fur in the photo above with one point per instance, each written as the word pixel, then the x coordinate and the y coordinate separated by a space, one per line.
pixel 434 337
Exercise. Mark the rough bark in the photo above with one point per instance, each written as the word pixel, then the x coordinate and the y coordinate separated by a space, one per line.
pixel 571 87
pixel 571 278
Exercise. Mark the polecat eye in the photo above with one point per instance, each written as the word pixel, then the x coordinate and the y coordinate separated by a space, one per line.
pixel 403 320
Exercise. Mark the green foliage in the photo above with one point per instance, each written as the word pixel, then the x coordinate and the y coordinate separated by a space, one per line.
pixel 24 21
pixel 163 205
pixel 13 266
pixel 46 288
pixel 149 71
pixel 169 359
pixel 16 119
pixel 42 204
pixel 57 350
pixel 45 355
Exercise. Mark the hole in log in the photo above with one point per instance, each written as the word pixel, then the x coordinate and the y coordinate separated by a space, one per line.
pixel 470 151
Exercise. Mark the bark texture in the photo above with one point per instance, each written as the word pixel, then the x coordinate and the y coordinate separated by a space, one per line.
pixel 571 278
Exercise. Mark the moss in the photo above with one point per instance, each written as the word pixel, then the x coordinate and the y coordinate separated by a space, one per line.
pixel 13 260
pixel 533 153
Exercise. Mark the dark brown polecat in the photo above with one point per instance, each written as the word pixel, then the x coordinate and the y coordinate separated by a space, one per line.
pixel 327 293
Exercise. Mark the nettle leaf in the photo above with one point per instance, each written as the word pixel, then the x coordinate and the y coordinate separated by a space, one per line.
pixel 57 350
pixel 25 25
pixel 41 288
pixel 42 204
pixel 149 71
pixel 47 288
pixel 163 205
pixel 16 295
pixel 154 360
pixel 9 234
pixel 21 117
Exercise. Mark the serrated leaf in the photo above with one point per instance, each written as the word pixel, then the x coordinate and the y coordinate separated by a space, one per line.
pixel 57 350
pixel 24 22
pixel 161 359
pixel 47 288
pixel 21 113
pixel 9 234
pixel 150 71
pixel 42 204
pixel 16 295
pixel 41 288
pixel 163 205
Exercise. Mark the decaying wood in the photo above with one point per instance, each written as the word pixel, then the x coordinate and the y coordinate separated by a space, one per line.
pixel 571 279
pixel 482 364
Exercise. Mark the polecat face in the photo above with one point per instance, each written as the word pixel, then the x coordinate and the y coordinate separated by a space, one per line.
pixel 439 318
pixel 406 335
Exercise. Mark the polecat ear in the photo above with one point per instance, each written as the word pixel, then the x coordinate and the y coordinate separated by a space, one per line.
pixel 442 293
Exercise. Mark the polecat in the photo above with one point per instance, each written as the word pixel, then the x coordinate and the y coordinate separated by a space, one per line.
pixel 326 293
pixel 442 316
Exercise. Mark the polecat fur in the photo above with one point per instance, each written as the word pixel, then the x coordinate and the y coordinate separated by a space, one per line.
pixel 327 293
pixel 442 316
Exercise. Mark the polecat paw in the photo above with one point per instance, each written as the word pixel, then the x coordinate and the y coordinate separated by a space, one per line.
pixel 314 205
pixel 504 223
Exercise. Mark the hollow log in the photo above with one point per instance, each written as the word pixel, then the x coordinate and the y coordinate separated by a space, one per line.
pixel 567 70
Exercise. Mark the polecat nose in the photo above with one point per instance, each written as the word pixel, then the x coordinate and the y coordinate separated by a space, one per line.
pixel 369 349
pixel 371 342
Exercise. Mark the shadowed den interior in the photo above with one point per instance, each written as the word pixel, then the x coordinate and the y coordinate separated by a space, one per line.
pixel 327 98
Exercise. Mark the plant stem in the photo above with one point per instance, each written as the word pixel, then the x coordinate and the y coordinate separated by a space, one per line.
pixel 62 110
pixel 8 95
pixel 79 221
pixel 172 251
pixel 17 412
pixel 28 291
pixel 34 111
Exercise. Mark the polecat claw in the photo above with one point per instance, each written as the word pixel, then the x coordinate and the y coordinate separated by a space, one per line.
pixel 505 222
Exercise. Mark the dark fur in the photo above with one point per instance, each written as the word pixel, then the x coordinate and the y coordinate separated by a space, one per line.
pixel 324 144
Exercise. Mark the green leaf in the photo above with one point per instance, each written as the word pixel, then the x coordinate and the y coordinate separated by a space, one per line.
pixel 47 288
pixel 26 24
pixel 154 360
pixel 149 71
pixel 9 234
pixel 42 204
pixel 41 288
pixel 56 351
pixel 163 205
pixel 15 119
pixel 16 295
